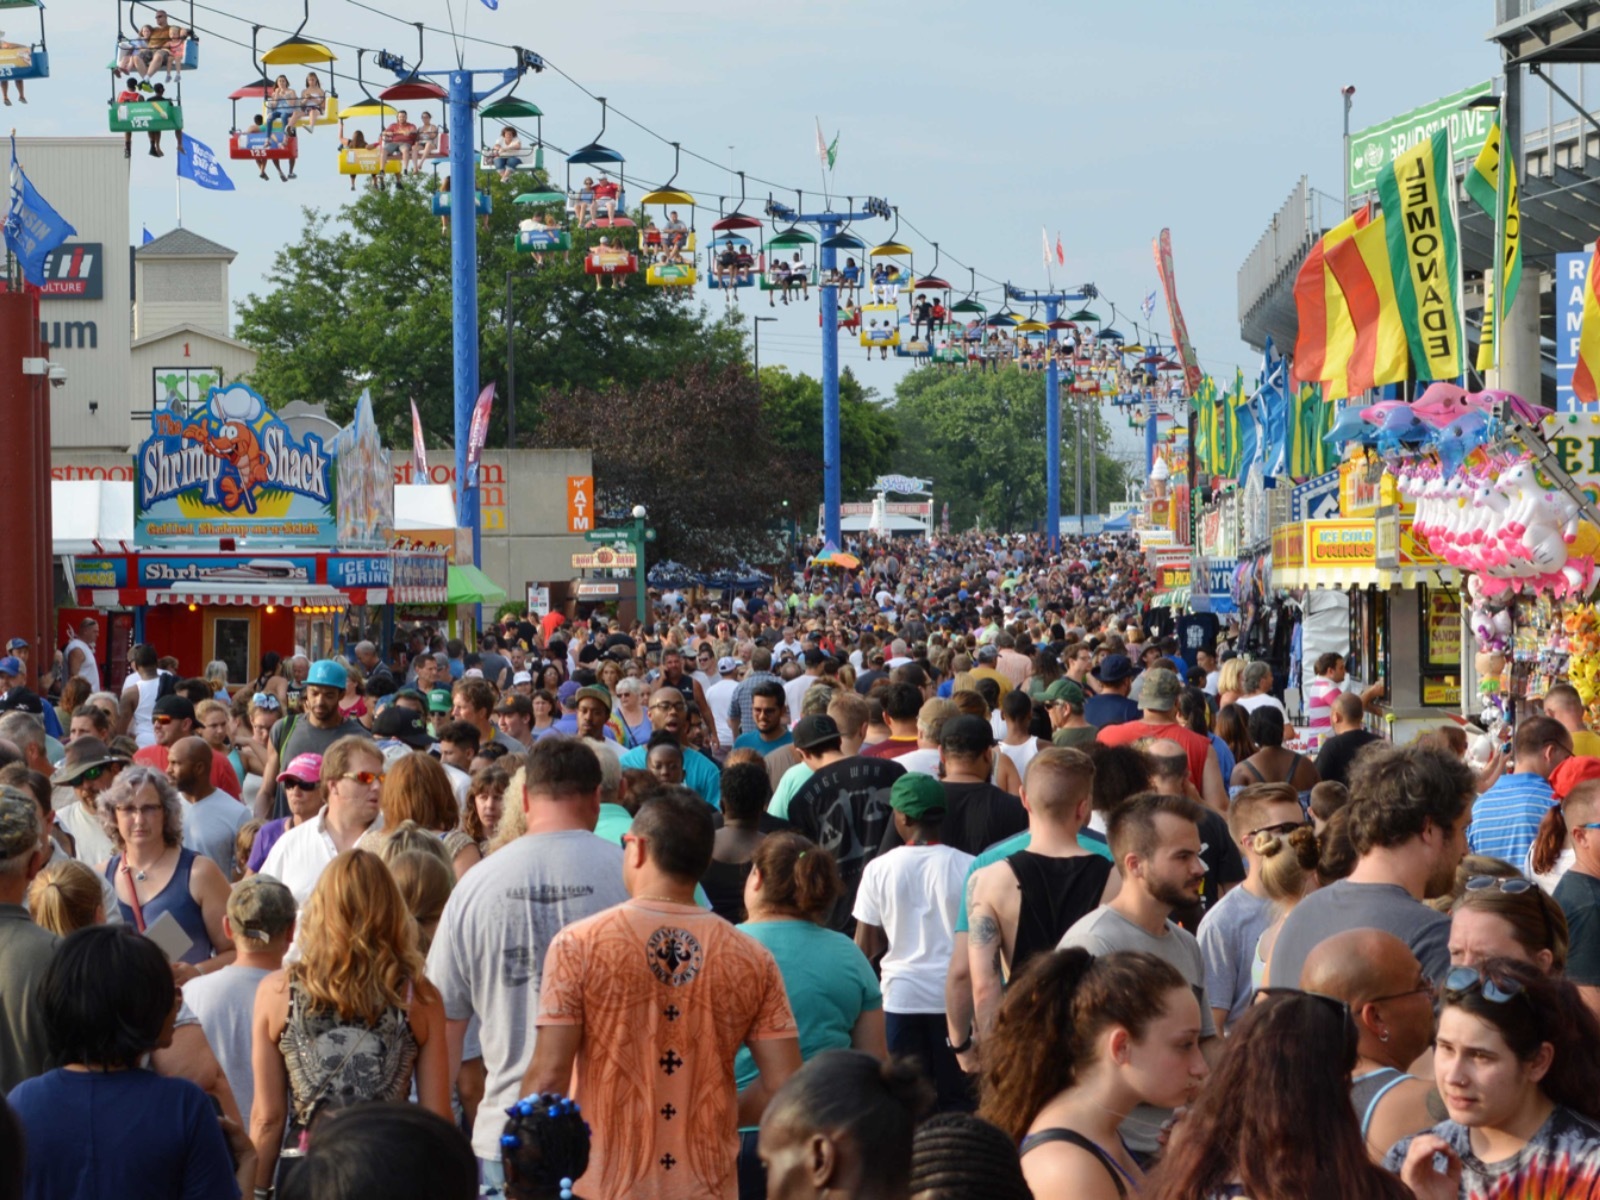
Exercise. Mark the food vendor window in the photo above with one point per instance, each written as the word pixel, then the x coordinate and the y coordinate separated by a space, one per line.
pixel 232 641
pixel 1440 615
pixel 1369 634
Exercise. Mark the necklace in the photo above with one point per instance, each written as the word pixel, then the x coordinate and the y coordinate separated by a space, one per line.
pixel 140 873
pixel 661 899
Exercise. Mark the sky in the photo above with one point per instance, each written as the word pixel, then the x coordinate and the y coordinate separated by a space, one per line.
pixel 1103 123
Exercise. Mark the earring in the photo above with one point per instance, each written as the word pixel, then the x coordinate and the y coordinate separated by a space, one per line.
pixel 1384 1036
pixel 566 1189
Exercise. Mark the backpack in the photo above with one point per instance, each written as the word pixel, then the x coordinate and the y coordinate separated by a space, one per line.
pixel 166 684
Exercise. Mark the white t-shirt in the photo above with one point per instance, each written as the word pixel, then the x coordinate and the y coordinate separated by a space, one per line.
pixel 299 857
pixel 924 760
pixel 143 731
pixel 90 843
pixel 224 1002
pixel 88 668
pixel 1251 703
pixel 1020 756
pixel 795 691
pixel 719 696
pixel 1213 682
pixel 913 893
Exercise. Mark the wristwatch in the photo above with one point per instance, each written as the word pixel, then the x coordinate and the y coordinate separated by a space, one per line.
pixel 963 1047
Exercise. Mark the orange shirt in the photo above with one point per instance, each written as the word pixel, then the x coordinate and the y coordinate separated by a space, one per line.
pixel 1195 746
pixel 666 994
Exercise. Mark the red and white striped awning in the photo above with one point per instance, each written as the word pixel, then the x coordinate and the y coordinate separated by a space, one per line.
pixel 250 596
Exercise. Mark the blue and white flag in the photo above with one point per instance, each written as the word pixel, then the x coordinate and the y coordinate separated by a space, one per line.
pixel 1148 306
pixel 1274 411
pixel 196 162
pixel 33 228
pixel 148 236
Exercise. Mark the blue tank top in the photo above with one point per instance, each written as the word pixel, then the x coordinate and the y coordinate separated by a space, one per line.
pixel 173 898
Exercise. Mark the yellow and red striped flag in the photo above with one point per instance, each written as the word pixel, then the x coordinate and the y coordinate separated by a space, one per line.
pixel 1586 375
pixel 1361 266
pixel 1327 334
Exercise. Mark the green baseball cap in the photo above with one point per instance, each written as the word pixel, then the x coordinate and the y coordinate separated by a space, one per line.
pixel 439 700
pixel 918 796
pixel 1064 689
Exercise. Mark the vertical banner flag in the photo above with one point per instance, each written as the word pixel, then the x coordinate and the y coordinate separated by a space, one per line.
pixel 478 433
pixel 33 228
pixel 1148 307
pixel 1360 268
pixel 1311 417
pixel 1180 332
pixel 827 152
pixel 1586 374
pixel 1491 181
pixel 1250 432
pixel 419 448
pixel 1272 403
pixel 1061 251
pixel 148 236
pixel 1326 334
pixel 1418 194
pixel 197 162
pixel 1049 254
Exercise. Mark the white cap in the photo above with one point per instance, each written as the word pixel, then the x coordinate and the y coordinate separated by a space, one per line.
pixel 521 677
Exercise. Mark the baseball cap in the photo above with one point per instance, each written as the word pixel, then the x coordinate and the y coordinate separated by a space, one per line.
pixel 327 673
pixel 260 907
pixel 82 755
pixel 1114 668
pixel 1064 690
pixel 11 665
pixel 521 677
pixel 439 700
pixel 403 725
pixel 21 699
pixel 1160 689
pixel 307 768
pixel 514 702
pixel 411 693
pixel 568 690
pixel 727 666
pixel 966 734
pixel 814 657
pixel 177 707
pixel 19 823
pixel 17 644
pixel 989 653
pixel 815 729
pixel 918 796
pixel 598 694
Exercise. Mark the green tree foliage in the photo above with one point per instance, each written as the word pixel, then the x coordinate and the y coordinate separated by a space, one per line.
pixel 792 408
pixel 979 435
pixel 365 302
pixel 693 448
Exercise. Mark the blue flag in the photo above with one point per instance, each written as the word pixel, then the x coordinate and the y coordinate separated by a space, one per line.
pixel 1274 412
pixel 493 4
pixel 196 162
pixel 33 228
pixel 148 236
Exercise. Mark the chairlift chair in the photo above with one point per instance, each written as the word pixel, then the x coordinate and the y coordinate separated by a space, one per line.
pixel 661 271
pixel 366 159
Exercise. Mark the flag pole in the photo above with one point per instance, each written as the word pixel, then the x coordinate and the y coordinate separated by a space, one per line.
pixel 1498 279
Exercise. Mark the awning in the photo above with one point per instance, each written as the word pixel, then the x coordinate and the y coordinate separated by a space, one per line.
pixel 468 585
pixel 1410 577
pixel 251 595
pixel 1359 576
pixel 90 516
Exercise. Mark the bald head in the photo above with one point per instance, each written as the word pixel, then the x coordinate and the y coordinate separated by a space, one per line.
pixel 1169 761
pixel 189 767
pixel 1347 712
pixel 1358 964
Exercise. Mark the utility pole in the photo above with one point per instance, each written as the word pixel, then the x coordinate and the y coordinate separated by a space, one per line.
pixel 511 369
pixel 758 323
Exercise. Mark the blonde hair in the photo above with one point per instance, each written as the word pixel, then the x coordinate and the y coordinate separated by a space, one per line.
pixel 513 821
pixel 407 838
pixel 1288 864
pixel 358 943
pixel 1230 676
pixel 425 881
pixel 65 897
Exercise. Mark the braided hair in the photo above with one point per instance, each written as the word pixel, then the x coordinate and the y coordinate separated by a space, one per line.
pixel 957 1156
pixel 545 1147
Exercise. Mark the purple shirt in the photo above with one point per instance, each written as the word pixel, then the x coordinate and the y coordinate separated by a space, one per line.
pixel 266 839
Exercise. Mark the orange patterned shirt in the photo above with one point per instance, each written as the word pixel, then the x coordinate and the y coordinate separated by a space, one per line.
pixel 666 994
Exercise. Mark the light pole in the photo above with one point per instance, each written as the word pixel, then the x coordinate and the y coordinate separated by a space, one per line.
pixel 1349 93
pixel 758 323
pixel 638 537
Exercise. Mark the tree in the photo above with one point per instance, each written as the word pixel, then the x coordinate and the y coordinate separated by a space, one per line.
pixel 792 408
pixel 694 449
pixel 367 303
pixel 979 435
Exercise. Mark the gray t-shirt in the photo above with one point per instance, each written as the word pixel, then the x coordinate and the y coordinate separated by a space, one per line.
pixel 224 1002
pixel 1345 905
pixel 488 953
pixel 1228 938
pixel 1105 931
pixel 305 738
pixel 211 827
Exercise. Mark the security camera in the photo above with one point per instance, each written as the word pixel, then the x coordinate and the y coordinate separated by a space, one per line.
pixel 57 375
pixel 94 407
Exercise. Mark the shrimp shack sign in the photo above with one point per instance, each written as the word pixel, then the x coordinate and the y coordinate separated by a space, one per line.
pixel 230 468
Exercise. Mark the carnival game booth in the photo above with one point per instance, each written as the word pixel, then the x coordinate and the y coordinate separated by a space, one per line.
pixel 249 537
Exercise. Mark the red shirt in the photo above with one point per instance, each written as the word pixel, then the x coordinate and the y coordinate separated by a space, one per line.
pixel 889 748
pixel 1195 746
pixel 605 190
pixel 222 777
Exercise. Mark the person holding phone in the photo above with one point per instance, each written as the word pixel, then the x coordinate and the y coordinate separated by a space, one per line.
pixel 1515 1059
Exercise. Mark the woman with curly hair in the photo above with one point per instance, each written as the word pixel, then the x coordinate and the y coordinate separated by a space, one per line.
pixel 1080 1041
pixel 416 788
pixel 353 1020
pixel 1276 1119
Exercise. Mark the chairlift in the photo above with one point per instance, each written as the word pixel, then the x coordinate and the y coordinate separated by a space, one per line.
pixel 736 234
pixel 265 141
pixel 848 276
pixel 667 246
pixel 129 50
pixel 357 156
pixel 606 195
pixel 512 108
pixel 137 110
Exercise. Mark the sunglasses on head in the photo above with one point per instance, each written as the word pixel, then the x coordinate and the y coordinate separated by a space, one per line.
pixel 1496 989
pixel 264 700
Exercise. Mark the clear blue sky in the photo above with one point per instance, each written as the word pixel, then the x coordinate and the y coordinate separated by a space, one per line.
pixel 1105 121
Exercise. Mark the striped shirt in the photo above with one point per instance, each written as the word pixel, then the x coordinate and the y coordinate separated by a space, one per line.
pixel 1505 819
pixel 1319 704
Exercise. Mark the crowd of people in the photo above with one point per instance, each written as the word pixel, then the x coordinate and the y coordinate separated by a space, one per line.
pixel 947 878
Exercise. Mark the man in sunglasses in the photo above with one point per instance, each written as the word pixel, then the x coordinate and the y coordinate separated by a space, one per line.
pixel 173 720
pixel 1256 816
pixel 352 771
pixel 88 768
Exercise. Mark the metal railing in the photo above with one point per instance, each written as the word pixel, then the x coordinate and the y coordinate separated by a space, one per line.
pixel 1296 225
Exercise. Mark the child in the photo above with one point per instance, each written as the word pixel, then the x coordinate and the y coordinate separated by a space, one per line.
pixel 545 1148
pixel 905 914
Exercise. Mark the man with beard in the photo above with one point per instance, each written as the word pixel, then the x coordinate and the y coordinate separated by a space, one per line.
pixel 311 731
pixel 1155 841
pixel 1408 813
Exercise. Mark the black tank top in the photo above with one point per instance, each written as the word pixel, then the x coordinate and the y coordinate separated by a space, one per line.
pixel 1055 893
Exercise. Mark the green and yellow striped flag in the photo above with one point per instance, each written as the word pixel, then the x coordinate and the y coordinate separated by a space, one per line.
pixel 1418 194
pixel 1313 416
pixel 1491 181
pixel 1231 404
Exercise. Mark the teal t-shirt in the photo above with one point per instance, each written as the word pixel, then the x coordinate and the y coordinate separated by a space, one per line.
pixel 829 981
pixel 700 774
pixel 793 780
pixel 1010 846
pixel 614 822
pixel 754 741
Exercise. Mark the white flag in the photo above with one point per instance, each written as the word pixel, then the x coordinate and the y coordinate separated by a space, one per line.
pixel 1048 253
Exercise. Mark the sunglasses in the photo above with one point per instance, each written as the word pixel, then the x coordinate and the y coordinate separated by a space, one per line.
pixel 1282 829
pixel 365 778
pixel 1494 989
pixel 264 700
pixel 90 774
pixel 1511 885
pixel 306 785
pixel 162 720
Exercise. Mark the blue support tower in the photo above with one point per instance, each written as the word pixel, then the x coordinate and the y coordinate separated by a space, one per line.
pixel 828 225
pixel 1052 406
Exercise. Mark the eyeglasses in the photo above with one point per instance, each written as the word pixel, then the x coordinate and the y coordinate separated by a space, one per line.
pixel 161 720
pixel 364 778
pixel 1494 989
pixel 148 811
pixel 1511 885
pixel 1424 988
pixel 306 785
pixel 678 707
pixel 1282 828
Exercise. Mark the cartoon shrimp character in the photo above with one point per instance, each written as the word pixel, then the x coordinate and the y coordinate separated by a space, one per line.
pixel 235 443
